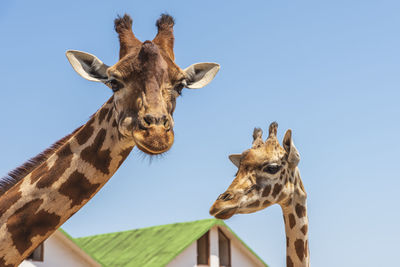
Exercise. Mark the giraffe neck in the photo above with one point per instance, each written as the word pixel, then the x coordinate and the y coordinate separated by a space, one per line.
pixel 296 227
pixel 46 197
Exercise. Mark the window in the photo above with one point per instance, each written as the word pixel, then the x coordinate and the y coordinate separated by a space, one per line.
pixel 203 249
pixel 224 249
pixel 37 254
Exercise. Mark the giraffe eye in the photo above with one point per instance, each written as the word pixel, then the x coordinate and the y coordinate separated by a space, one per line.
pixel 178 88
pixel 272 168
pixel 114 84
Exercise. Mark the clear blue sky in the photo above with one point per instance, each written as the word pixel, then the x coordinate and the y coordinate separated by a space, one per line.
pixel 329 70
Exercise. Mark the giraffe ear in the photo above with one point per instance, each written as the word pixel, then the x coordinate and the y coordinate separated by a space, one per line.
pixel 87 65
pixel 200 74
pixel 235 158
pixel 293 154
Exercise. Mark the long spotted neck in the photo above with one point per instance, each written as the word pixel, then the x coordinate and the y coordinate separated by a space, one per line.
pixel 45 198
pixel 296 226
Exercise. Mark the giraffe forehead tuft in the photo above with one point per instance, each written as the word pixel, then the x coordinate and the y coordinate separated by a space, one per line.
pixel 272 146
pixel 269 152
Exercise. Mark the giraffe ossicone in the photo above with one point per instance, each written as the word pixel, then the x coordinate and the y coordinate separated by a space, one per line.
pixel 39 196
pixel 268 174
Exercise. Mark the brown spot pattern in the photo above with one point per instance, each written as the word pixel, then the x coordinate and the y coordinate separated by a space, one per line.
pixel 254 204
pixel 266 191
pixel 282 196
pixel 39 172
pixel 292 220
pixel 78 188
pixel 3 263
pixel 9 199
pixel 19 173
pixel 276 190
pixel 300 211
pixel 120 136
pixel 304 229
pixel 28 222
pixel 110 113
pixel 287 241
pixel 100 159
pixel 299 246
pixel 102 114
pixel 85 133
pixel 266 203
pixel 289 262
pixel 47 178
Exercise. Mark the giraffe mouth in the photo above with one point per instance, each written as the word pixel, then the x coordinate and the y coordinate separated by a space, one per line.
pixel 223 213
pixel 153 141
pixel 149 150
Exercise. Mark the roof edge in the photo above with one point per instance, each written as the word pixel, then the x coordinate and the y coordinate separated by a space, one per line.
pixel 77 247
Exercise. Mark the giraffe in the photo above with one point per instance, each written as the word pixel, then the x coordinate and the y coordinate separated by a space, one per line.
pixel 268 174
pixel 38 197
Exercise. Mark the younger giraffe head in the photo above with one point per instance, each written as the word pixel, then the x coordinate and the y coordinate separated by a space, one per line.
pixel 266 176
pixel 145 83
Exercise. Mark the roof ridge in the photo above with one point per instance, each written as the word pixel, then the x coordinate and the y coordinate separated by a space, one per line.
pixel 147 227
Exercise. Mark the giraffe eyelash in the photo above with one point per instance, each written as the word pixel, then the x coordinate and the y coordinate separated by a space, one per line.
pixel 272 168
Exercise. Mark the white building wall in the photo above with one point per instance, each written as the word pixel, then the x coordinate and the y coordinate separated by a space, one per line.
pixel 214 253
pixel 188 258
pixel 58 252
pixel 240 255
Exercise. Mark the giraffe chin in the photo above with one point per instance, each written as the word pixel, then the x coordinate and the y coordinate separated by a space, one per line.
pixel 153 143
pixel 223 214
pixel 150 151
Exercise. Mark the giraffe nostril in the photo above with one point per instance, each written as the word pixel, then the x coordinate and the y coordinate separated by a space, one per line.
pixel 166 123
pixel 148 119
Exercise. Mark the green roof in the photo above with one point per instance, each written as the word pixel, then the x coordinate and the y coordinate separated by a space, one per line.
pixel 146 247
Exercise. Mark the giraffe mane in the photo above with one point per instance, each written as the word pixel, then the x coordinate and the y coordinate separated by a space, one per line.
pixel 14 176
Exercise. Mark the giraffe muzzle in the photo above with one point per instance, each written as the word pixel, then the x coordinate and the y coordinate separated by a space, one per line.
pixel 224 213
pixel 153 140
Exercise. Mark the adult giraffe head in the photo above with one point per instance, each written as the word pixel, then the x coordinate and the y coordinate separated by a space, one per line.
pixel 267 174
pixel 145 83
